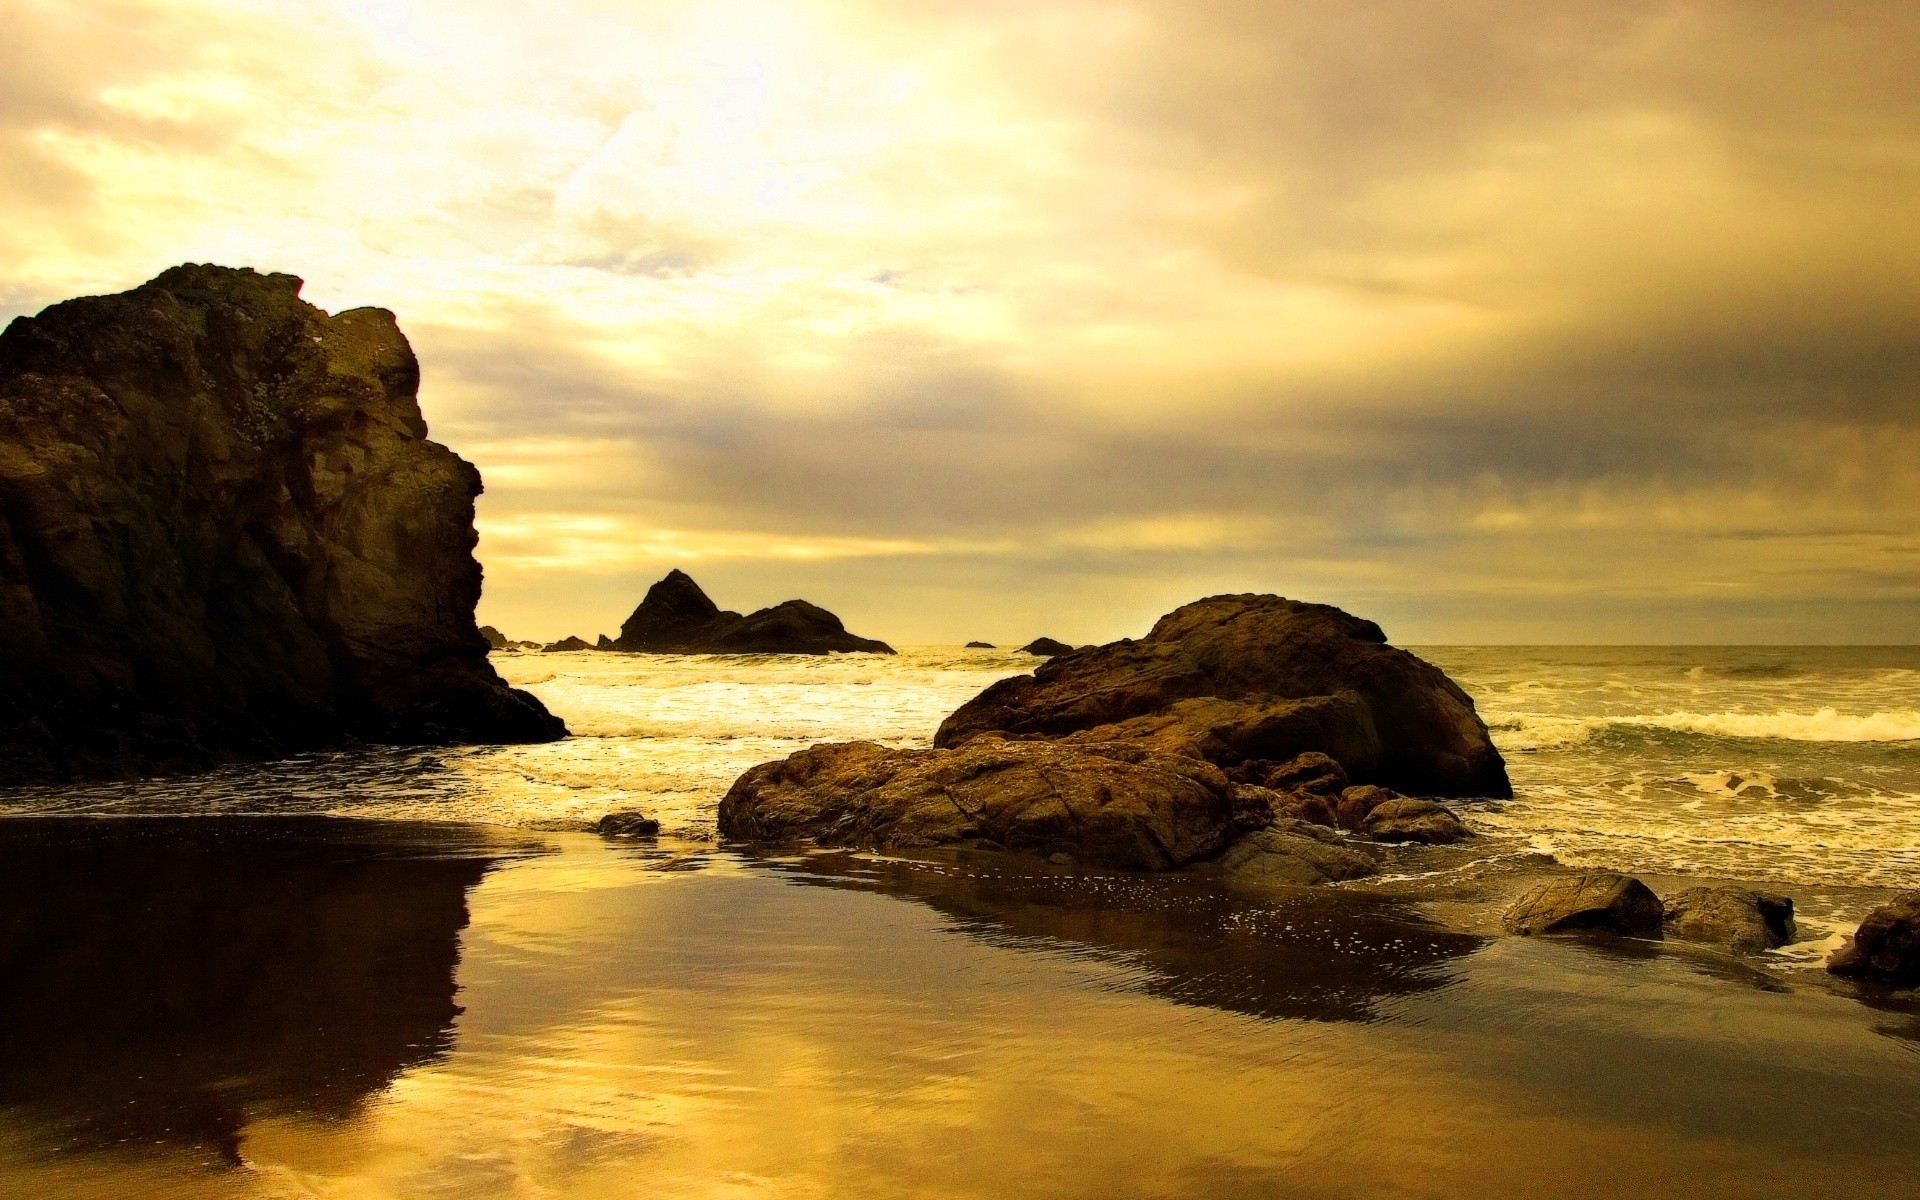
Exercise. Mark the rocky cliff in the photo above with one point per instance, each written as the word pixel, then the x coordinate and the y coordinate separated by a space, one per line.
pixel 676 617
pixel 223 532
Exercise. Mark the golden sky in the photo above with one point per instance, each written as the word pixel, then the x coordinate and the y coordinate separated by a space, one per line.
pixel 1493 320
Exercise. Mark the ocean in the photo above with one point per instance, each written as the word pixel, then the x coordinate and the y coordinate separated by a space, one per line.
pixel 388 973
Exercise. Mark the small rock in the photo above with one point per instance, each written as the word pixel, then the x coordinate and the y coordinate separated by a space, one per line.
pixel 1744 921
pixel 1603 900
pixel 1355 804
pixel 980 646
pixel 1310 807
pixel 1405 820
pixel 1046 647
pixel 1886 947
pixel 1275 856
pixel 1309 772
pixel 628 825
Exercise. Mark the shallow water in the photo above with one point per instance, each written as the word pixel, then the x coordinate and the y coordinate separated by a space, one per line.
pixel 241 985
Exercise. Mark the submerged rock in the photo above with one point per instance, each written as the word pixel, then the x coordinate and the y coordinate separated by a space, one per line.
pixel 1742 920
pixel 223 532
pixel 1592 900
pixel 1293 854
pixel 628 825
pixel 1886 947
pixel 1384 715
pixel 1132 810
pixel 676 617
pixel 1046 647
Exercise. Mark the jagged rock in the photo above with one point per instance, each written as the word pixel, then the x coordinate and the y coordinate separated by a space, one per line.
pixel 628 825
pixel 1295 855
pixel 1134 810
pixel 567 645
pixel 1886 947
pixel 223 532
pixel 1308 772
pixel 1403 819
pixel 1389 718
pixel 603 642
pixel 1744 921
pixel 676 617
pixel 1046 647
pixel 1599 900
pixel 495 639
pixel 980 646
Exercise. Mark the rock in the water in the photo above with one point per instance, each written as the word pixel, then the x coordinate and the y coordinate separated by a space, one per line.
pixel 676 617
pixel 628 825
pixel 603 642
pixel 1354 805
pixel 1292 856
pixel 1153 813
pixel 495 639
pixel 1409 820
pixel 1598 900
pixel 1046 647
pixel 1744 921
pixel 567 645
pixel 223 532
pixel 1389 717
pixel 980 646
pixel 1886 947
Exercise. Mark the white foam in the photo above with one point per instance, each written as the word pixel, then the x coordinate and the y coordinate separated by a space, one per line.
pixel 1821 725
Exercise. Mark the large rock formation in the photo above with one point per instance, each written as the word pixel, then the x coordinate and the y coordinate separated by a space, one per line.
pixel 223 531
pixel 1132 810
pixel 676 617
pixel 1248 679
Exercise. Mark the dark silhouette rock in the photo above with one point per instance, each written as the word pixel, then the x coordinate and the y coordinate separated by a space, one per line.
pixel 223 532
pixel 1295 854
pixel 1046 647
pixel 1592 900
pixel 628 825
pixel 567 645
pixel 1886 947
pixel 1738 919
pixel 1138 810
pixel 495 639
pixel 1388 717
pixel 676 617
pixel 1309 772
pixel 603 642
pixel 980 646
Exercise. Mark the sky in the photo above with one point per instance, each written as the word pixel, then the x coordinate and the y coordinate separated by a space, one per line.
pixel 1492 320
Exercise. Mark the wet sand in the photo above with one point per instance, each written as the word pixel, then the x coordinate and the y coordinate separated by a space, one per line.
pixel 313 1006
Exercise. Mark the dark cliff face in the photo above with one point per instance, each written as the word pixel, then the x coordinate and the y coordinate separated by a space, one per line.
pixel 223 531
pixel 676 617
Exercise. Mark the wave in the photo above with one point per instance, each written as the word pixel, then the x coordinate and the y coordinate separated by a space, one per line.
pixel 1821 725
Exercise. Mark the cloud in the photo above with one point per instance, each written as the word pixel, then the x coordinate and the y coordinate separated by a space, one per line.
pixel 1587 321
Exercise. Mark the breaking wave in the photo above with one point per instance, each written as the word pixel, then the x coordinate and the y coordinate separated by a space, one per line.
pixel 1820 725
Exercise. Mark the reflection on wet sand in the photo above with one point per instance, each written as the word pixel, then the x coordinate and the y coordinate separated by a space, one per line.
pixel 168 980
pixel 1307 953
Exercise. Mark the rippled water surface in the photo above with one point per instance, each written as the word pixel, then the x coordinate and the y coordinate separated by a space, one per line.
pixel 405 974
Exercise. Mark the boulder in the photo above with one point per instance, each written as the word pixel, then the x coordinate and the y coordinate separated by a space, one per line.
pixel 1354 805
pixel 1294 855
pixel 1403 819
pixel 628 825
pixel 1886 947
pixel 1386 716
pixel 1309 772
pixel 224 533
pixel 980 646
pixel 1739 919
pixel 1591 900
pixel 1134 810
pixel 676 617
pixel 1046 647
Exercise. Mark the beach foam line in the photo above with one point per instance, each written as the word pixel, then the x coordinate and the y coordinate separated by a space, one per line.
pixel 1821 725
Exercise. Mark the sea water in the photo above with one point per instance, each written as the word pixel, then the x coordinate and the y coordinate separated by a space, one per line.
pixel 405 973
pixel 1787 765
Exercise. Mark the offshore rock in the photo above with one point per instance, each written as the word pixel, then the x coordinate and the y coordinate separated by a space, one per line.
pixel 1046 647
pixel 1739 919
pixel 1886 947
pixel 1386 716
pixel 567 645
pixel 224 533
pixel 676 617
pixel 1597 900
pixel 980 646
pixel 1137 810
